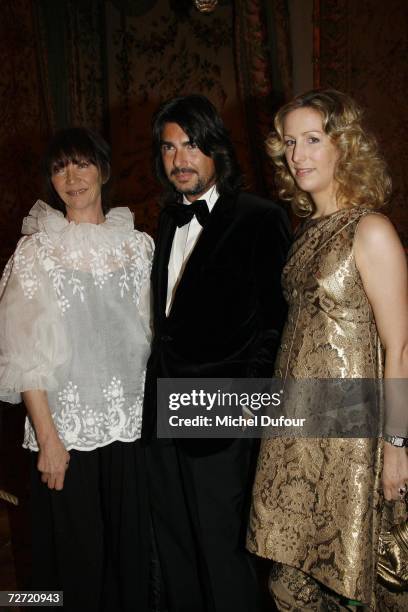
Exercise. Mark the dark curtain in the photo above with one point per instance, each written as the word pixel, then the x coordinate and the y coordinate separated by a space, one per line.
pixel 264 72
pixel 107 64
pixel 25 116
pixel 363 51
pixel 74 34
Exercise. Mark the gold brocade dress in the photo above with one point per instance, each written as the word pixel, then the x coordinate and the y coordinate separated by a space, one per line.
pixel 317 502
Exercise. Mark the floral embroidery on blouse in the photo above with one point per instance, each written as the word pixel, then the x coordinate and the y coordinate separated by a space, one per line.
pixel 57 260
pixel 75 322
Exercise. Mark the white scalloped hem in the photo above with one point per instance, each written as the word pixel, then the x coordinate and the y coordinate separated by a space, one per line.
pixel 35 448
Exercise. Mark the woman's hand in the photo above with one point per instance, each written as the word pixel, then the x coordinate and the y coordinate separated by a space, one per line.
pixel 53 462
pixel 395 471
pixel 53 458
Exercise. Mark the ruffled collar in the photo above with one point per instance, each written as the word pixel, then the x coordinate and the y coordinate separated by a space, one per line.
pixel 116 228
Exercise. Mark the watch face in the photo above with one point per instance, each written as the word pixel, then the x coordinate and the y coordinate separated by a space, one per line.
pixel 396 440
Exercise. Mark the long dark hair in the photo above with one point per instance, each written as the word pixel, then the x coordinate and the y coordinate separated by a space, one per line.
pixel 70 146
pixel 199 119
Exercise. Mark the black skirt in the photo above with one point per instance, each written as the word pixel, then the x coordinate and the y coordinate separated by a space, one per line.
pixel 91 540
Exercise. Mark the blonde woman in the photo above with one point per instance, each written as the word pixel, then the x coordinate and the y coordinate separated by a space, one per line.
pixel 317 503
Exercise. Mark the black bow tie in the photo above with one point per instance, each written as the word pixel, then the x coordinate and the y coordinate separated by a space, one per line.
pixel 183 213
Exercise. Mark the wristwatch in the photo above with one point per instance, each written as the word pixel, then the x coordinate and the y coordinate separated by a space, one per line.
pixel 396 440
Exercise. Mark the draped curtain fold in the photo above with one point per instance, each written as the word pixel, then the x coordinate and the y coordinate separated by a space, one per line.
pixel 264 73
pixel 25 115
pixel 86 44
pixel 74 33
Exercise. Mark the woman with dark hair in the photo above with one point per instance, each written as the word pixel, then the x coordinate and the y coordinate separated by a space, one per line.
pixel 318 502
pixel 75 335
pixel 73 145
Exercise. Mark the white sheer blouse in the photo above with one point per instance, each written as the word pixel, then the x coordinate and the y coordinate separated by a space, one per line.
pixel 75 322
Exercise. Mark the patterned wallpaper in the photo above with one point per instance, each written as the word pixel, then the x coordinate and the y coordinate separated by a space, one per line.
pixel 152 57
pixel 108 66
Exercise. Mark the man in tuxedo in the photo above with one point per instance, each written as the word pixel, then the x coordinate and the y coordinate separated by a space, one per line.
pixel 218 312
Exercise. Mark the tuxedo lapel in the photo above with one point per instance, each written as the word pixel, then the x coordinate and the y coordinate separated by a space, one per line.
pixel 165 237
pixel 220 219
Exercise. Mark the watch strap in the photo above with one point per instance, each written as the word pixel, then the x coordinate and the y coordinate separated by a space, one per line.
pixel 395 440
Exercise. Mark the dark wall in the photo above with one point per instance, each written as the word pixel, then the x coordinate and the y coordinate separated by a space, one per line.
pixel 364 51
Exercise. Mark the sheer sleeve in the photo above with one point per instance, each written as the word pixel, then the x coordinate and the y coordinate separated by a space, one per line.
pixel 32 337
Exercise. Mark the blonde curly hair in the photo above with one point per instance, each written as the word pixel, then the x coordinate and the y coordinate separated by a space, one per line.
pixel 360 172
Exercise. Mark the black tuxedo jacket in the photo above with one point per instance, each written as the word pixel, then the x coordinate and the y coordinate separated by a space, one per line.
pixel 228 310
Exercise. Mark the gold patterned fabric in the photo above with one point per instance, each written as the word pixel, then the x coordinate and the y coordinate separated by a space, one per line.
pixel 317 502
pixel 292 590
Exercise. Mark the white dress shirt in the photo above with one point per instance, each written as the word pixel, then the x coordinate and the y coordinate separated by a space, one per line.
pixel 184 241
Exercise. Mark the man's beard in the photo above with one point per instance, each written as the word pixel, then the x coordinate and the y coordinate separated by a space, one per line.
pixel 201 186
